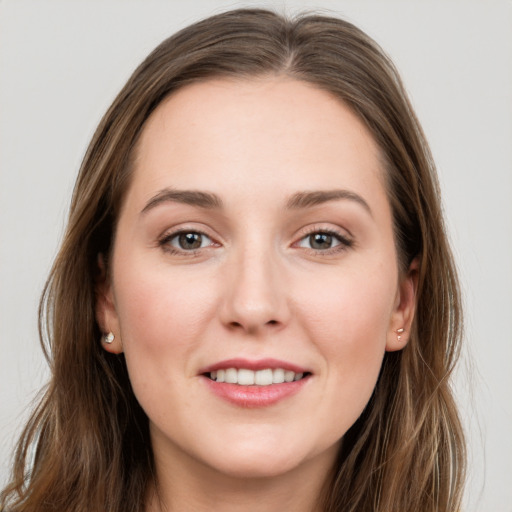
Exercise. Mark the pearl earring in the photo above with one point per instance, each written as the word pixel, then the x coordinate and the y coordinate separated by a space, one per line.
pixel 109 338
pixel 399 332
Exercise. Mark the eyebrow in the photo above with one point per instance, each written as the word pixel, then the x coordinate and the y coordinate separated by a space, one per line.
pixel 191 197
pixel 207 200
pixel 308 199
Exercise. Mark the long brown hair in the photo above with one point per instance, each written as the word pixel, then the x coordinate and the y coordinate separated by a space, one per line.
pixel 86 446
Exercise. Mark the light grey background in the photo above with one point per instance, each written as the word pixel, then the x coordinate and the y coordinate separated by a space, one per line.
pixel 61 64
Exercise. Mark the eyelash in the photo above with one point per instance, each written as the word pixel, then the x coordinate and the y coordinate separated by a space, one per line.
pixel 344 242
pixel 164 242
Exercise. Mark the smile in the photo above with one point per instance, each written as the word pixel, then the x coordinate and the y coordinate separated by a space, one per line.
pixel 258 383
pixel 247 377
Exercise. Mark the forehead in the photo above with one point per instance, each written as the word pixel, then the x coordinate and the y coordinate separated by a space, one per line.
pixel 274 133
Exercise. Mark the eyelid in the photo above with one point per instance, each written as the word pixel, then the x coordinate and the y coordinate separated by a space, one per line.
pixel 177 235
pixel 170 234
pixel 345 241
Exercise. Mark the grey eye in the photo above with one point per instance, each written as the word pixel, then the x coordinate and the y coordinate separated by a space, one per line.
pixel 319 241
pixel 188 241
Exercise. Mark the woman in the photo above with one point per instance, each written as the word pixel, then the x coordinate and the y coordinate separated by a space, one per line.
pixel 255 305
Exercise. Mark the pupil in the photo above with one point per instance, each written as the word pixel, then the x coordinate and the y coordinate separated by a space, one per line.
pixel 321 241
pixel 190 240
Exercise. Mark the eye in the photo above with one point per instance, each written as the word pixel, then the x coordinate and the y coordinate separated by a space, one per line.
pixel 187 241
pixel 324 241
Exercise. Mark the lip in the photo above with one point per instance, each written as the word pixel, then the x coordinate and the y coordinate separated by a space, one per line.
pixel 254 396
pixel 260 364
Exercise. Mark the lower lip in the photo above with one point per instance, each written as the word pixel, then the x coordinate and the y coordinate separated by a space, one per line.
pixel 255 396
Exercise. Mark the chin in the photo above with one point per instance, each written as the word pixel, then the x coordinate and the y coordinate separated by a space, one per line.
pixel 257 467
pixel 265 459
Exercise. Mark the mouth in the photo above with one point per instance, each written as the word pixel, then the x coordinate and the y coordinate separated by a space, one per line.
pixel 255 384
pixel 248 377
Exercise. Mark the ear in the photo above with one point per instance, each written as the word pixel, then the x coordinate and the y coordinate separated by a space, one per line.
pixel 404 309
pixel 106 314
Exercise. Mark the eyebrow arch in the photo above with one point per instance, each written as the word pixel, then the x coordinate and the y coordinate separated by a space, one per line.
pixel 191 197
pixel 315 198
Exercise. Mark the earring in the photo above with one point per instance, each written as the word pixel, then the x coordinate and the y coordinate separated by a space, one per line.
pixel 399 332
pixel 108 338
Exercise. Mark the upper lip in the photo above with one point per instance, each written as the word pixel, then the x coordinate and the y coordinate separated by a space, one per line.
pixel 259 364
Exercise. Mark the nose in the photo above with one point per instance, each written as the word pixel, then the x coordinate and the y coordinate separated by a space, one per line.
pixel 254 300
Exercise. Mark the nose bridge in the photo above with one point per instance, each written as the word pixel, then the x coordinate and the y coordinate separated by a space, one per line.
pixel 255 297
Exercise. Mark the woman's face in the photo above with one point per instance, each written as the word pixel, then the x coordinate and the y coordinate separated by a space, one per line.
pixel 254 246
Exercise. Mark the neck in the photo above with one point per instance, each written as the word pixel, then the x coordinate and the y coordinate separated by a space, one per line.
pixel 194 486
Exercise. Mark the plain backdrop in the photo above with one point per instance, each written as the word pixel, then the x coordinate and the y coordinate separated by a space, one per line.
pixel 61 64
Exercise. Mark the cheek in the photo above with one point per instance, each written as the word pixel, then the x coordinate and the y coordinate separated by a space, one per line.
pixel 348 318
pixel 160 315
pixel 354 304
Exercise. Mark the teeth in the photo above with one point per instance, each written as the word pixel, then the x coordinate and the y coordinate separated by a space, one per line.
pixel 278 376
pixel 245 377
pixel 231 376
pixel 263 377
pixel 289 376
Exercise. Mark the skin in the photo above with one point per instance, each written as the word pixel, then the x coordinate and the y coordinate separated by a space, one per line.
pixel 257 288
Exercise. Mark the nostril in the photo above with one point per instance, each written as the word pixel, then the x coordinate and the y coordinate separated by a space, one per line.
pixel 241 325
